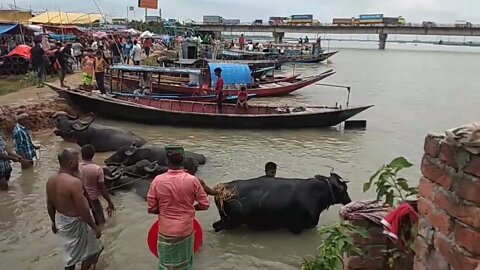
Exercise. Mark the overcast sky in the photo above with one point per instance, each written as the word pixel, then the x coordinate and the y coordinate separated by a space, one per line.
pixel 446 11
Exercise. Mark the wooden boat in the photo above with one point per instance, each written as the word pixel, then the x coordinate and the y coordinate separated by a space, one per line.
pixel 200 98
pixel 309 58
pixel 203 63
pixel 202 114
pixel 262 72
pixel 122 82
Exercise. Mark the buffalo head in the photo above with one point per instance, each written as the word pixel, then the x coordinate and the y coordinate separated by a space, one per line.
pixel 68 127
pixel 338 188
pixel 122 155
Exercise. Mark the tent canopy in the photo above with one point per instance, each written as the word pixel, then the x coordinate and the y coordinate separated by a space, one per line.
pixel 231 73
pixel 65 18
pixel 9 16
pixel 14 29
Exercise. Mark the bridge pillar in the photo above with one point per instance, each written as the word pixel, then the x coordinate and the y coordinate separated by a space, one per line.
pixel 383 41
pixel 278 37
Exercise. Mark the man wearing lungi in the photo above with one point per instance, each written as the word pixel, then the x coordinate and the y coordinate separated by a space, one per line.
pixel 70 214
pixel 172 197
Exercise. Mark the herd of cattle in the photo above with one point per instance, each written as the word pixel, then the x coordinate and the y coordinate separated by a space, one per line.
pixel 262 203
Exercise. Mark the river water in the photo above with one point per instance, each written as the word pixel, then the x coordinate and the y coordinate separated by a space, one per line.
pixel 415 91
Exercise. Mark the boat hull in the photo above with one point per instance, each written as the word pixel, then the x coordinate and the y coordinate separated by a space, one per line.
pixel 121 110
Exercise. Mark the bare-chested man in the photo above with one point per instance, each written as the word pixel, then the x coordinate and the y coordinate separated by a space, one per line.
pixel 70 214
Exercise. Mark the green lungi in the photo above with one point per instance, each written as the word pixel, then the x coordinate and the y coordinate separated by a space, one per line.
pixel 175 253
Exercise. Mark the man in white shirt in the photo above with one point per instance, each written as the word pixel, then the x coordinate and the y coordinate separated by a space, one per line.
pixel 136 53
pixel 95 46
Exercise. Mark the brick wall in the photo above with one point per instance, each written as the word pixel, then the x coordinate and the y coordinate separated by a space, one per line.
pixel 449 209
pixel 373 248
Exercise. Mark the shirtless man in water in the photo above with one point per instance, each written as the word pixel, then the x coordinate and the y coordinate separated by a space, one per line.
pixel 70 214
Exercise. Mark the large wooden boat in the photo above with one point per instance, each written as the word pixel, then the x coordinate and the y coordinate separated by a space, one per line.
pixel 205 81
pixel 309 58
pixel 202 114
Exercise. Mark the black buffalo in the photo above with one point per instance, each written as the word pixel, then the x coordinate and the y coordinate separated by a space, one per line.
pixel 103 138
pixel 129 155
pixel 273 203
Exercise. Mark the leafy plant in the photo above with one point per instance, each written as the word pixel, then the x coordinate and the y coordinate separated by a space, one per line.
pixel 335 241
pixel 389 186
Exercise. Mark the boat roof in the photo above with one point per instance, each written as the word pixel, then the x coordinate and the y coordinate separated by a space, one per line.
pixel 231 73
pixel 240 53
pixel 151 69
pixel 193 61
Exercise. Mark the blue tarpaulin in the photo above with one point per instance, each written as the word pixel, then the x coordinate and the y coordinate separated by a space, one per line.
pixel 231 73
pixel 6 28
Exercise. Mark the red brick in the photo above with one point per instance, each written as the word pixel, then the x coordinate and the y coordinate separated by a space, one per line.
pixel 467 214
pixel 435 173
pixel 421 248
pixel 427 188
pixel 453 255
pixel 436 218
pixel 436 262
pixel 467 238
pixel 468 188
pixel 473 167
pixel 432 146
pixel 357 262
pixel 447 155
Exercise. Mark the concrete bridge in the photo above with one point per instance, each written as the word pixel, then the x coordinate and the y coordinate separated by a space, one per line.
pixel 382 31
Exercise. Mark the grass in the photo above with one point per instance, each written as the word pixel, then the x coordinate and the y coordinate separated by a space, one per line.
pixel 13 83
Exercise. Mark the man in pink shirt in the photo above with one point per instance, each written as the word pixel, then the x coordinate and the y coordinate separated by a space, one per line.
pixel 94 184
pixel 172 197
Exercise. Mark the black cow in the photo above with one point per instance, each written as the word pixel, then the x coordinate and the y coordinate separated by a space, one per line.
pixel 272 203
pixel 129 155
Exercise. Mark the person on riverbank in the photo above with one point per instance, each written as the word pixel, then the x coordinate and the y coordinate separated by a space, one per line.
pixel 61 64
pixel 37 59
pixel 241 41
pixel 136 53
pixel 270 169
pixel 22 142
pixel 172 196
pixel 94 184
pixel 191 167
pixel 6 155
pixel 127 49
pixel 219 88
pixel 70 215
pixel 88 69
pixel 77 48
pixel 147 46
pixel 100 67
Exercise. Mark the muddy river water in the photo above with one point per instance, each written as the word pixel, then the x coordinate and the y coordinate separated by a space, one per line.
pixel 415 92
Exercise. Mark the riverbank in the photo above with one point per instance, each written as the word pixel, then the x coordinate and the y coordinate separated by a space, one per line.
pixel 39 103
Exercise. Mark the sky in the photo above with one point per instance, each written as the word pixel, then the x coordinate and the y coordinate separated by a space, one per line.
pixel 415 11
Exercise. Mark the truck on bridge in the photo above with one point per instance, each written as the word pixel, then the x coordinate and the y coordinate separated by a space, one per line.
pixel 231 21
pixel 463 24
pixel 371 19
pixel 305 19
pixel 212 19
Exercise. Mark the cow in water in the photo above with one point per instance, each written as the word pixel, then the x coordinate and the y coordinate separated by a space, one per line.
pixel 267 203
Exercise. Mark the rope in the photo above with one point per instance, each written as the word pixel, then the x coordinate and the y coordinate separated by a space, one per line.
pixel 128 183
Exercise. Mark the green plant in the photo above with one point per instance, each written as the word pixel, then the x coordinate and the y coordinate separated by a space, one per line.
pixel 335 241
pixel 389 186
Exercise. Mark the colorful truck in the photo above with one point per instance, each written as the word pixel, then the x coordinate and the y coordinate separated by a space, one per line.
pixel 305 19
pixel 212 19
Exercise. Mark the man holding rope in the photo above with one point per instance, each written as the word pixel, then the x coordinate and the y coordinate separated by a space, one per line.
pixel 94 184
pixel 172 196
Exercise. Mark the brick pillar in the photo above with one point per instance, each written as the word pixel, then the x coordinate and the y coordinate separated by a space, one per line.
pixel 373 248
pixel 449 209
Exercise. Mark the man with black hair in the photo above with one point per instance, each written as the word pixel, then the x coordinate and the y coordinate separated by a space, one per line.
pixel 172 196
pixel 270 169
pixel 94 183
pixel 70 214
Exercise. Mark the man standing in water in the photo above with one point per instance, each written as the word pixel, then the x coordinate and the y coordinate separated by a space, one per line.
pixel 70 214
pixel 6 155
pixel 23 142
pixel 219 88
pixel 172 196
pixel 94 183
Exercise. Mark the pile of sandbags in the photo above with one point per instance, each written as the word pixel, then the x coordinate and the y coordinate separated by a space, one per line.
pixel 39 115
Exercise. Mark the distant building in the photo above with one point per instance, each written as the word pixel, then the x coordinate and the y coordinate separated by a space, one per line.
pixel 153 19
pixel 119 21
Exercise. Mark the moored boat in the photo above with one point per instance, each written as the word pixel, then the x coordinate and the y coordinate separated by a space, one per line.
pixel 203 114
pixel 202 81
